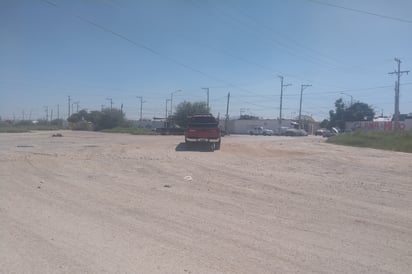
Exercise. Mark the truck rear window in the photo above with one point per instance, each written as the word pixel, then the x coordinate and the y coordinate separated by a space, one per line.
pixel 203 121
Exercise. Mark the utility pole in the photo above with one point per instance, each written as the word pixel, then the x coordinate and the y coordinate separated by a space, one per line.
pixel 167 101
pixel 58 112
pixel 227 112
pixel 141 105
pixel 46 108
pixel 68 107
pixel 171 101
pixel 111 103
pixel 397 90
pixel 51 115
pixel 281 98
pixel 302 87
pixel 77 106
pixel 207 92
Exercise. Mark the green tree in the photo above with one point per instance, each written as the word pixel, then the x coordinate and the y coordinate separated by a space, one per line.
pixel 110 118
pixel 105 119
pixel 337 115
pixel 79 116
pixel 356 112
pixel 359 112
pixel 95 116
pixel 324 123
pixel 186 109
pixel 57 122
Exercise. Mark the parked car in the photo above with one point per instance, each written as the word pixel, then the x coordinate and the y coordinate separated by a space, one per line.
pixel 281 131
pixel 261 131
pixel 329 133
pixel 320 131
pixel 295 132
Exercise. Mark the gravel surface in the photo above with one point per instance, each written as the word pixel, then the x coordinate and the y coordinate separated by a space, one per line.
pixel 116 203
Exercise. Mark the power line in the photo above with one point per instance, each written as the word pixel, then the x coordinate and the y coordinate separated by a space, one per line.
pixel 350 90
pixel 150 50
pixel 326 92
pixel 292 42
pixel 275 43
pixel 155 52
pixel 361 11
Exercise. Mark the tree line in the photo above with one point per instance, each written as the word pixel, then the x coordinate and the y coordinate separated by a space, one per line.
pixel 110 118
pixel 357 111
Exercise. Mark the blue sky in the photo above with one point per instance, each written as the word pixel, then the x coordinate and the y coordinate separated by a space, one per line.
pixel 93 50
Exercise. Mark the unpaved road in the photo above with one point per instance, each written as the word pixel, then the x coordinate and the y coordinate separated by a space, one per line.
pixel 111 203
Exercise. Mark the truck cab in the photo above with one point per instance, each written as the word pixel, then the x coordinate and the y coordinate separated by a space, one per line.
pixel 203 128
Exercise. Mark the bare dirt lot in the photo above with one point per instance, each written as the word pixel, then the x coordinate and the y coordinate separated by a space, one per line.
pixel 114 203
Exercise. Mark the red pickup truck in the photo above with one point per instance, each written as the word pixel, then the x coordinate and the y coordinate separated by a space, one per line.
pixel 203 128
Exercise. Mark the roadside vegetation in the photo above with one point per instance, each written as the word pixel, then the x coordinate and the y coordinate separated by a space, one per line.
pixel 107 120
pixel 394 141
pixel 130 130
pixel 27 126
pixel 12 129
pixel 98 120
pixel 356 111
pixel 187 109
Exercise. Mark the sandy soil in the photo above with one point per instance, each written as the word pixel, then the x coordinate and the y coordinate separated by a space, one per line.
pixel 112 203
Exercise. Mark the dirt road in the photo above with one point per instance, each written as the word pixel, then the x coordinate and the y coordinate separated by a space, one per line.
pixel 112 203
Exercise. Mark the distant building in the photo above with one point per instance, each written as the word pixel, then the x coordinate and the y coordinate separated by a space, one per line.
pixel 382 119
pixel 383 124
pixel 148 124
pixel 245 126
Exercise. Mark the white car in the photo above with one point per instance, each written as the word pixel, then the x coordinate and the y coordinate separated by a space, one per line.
pixel 261 131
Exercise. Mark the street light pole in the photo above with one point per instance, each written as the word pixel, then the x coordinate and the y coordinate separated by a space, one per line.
pixel 281 98
pixel 77 106
pixel 141 106
pixel 166 125
pixel 351 97
pixel 302 87
pixel 111 103
pixel 167 101
pixel 171 101
pixel 207 92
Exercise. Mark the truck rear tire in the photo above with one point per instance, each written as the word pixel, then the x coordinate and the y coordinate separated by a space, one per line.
pixel 217 146
pixel 212 147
